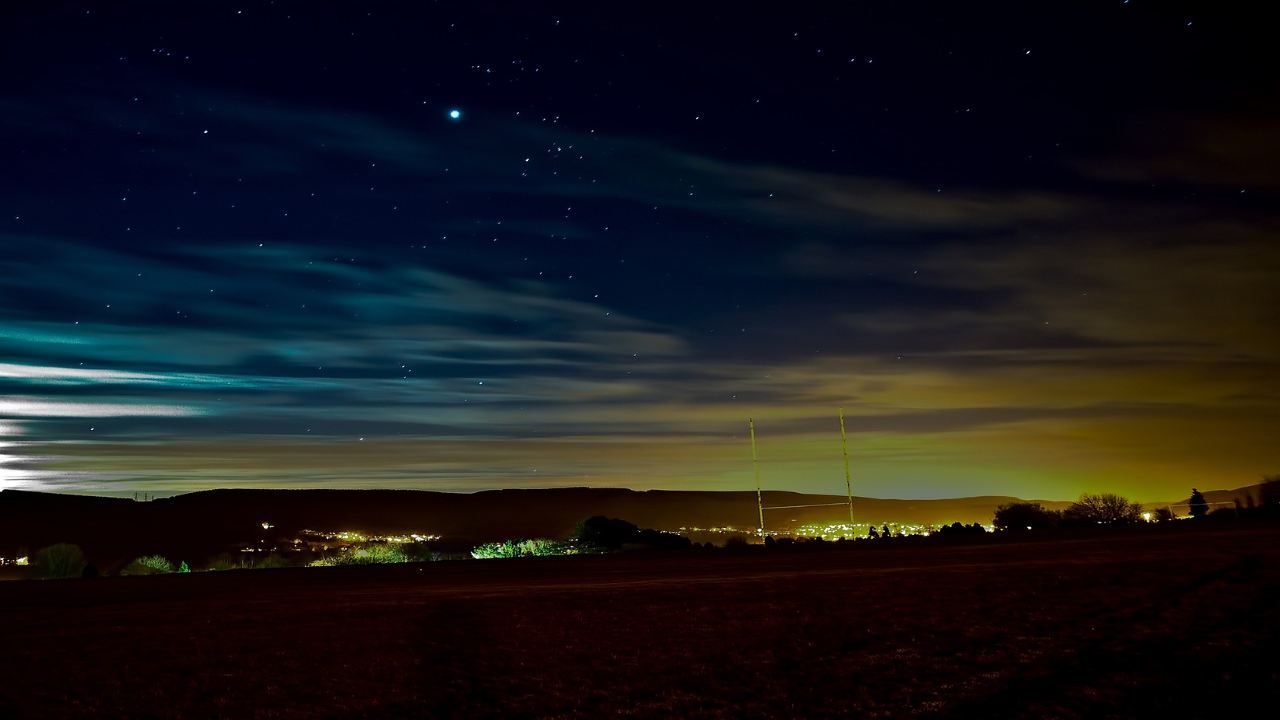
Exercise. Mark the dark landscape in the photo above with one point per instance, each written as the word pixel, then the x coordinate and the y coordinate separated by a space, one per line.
pixel 197 526
pixel 567 359
pixel 1180 621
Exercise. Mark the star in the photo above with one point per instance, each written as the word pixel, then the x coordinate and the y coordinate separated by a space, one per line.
pixel 455 114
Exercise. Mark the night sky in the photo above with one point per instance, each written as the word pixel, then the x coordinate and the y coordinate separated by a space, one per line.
pixel 1030 248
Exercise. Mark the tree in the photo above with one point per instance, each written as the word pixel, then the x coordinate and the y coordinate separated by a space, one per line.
pixel 533 547
pixel 1021 517
pixel 606 532
pixel 371 554
pixel 1104 509
pixel 1269 492
pixel 148 565
pixel 959 529
pixel 1199 508
pixel 1163 515
pixel 63 560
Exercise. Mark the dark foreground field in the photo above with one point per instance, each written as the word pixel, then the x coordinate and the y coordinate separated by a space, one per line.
pixel 1180 623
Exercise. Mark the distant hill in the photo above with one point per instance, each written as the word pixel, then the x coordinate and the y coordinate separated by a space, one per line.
pixel 1246 496
pixel 202 523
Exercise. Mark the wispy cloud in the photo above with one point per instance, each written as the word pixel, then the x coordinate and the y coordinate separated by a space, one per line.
pixel 974 335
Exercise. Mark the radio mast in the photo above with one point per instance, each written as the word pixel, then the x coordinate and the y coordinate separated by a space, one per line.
pixel 848 479
pixel 755 468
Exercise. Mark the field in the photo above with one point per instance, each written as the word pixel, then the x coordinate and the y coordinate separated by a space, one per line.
pixel 1181 623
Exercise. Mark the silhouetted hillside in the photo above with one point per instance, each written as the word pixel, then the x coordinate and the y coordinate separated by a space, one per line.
pixel 1246 496
pixel 198 524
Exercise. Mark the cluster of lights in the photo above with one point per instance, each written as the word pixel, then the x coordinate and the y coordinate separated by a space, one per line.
pixel 727 530
pixel 348 536
pixel 830 531
pixel 835 531
pixel 20 560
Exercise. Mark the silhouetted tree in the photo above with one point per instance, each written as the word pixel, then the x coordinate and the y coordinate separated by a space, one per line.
pixel 1021 517
pixel 1269 492
pixel 148 565
pixel 958 529
pixel 63 560
pixel 611 534
pixel 225 561
pixel 416 551
pixel 1163 514
pixel 873 534
pixel 1104 509
pixel 1199 508
pixel 661 540
pixel 885 531
pixel 606 532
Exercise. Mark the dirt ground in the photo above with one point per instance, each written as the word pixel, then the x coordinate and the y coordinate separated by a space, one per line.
pixel 1181 623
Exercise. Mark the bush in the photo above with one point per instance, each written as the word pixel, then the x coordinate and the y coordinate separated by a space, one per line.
pixel 417 551
pixel 270 562
pixel 379 554
pixel 536 547
pixel 148 565
pixel 63 560
pixel 225 561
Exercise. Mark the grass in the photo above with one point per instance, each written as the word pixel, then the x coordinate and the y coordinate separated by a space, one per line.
pixel 1180 623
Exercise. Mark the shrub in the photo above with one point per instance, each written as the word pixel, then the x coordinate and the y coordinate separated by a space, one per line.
pixel 416 551
pixel 535 547
pixel 225 561
pixel 378 554
pixel 63 560
pixel 269 562
pixel 148 565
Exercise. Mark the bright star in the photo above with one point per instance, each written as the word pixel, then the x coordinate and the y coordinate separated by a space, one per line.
pixel 455 114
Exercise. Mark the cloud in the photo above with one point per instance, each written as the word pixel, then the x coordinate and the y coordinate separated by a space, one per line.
pixel 976 337
pixel 28 407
